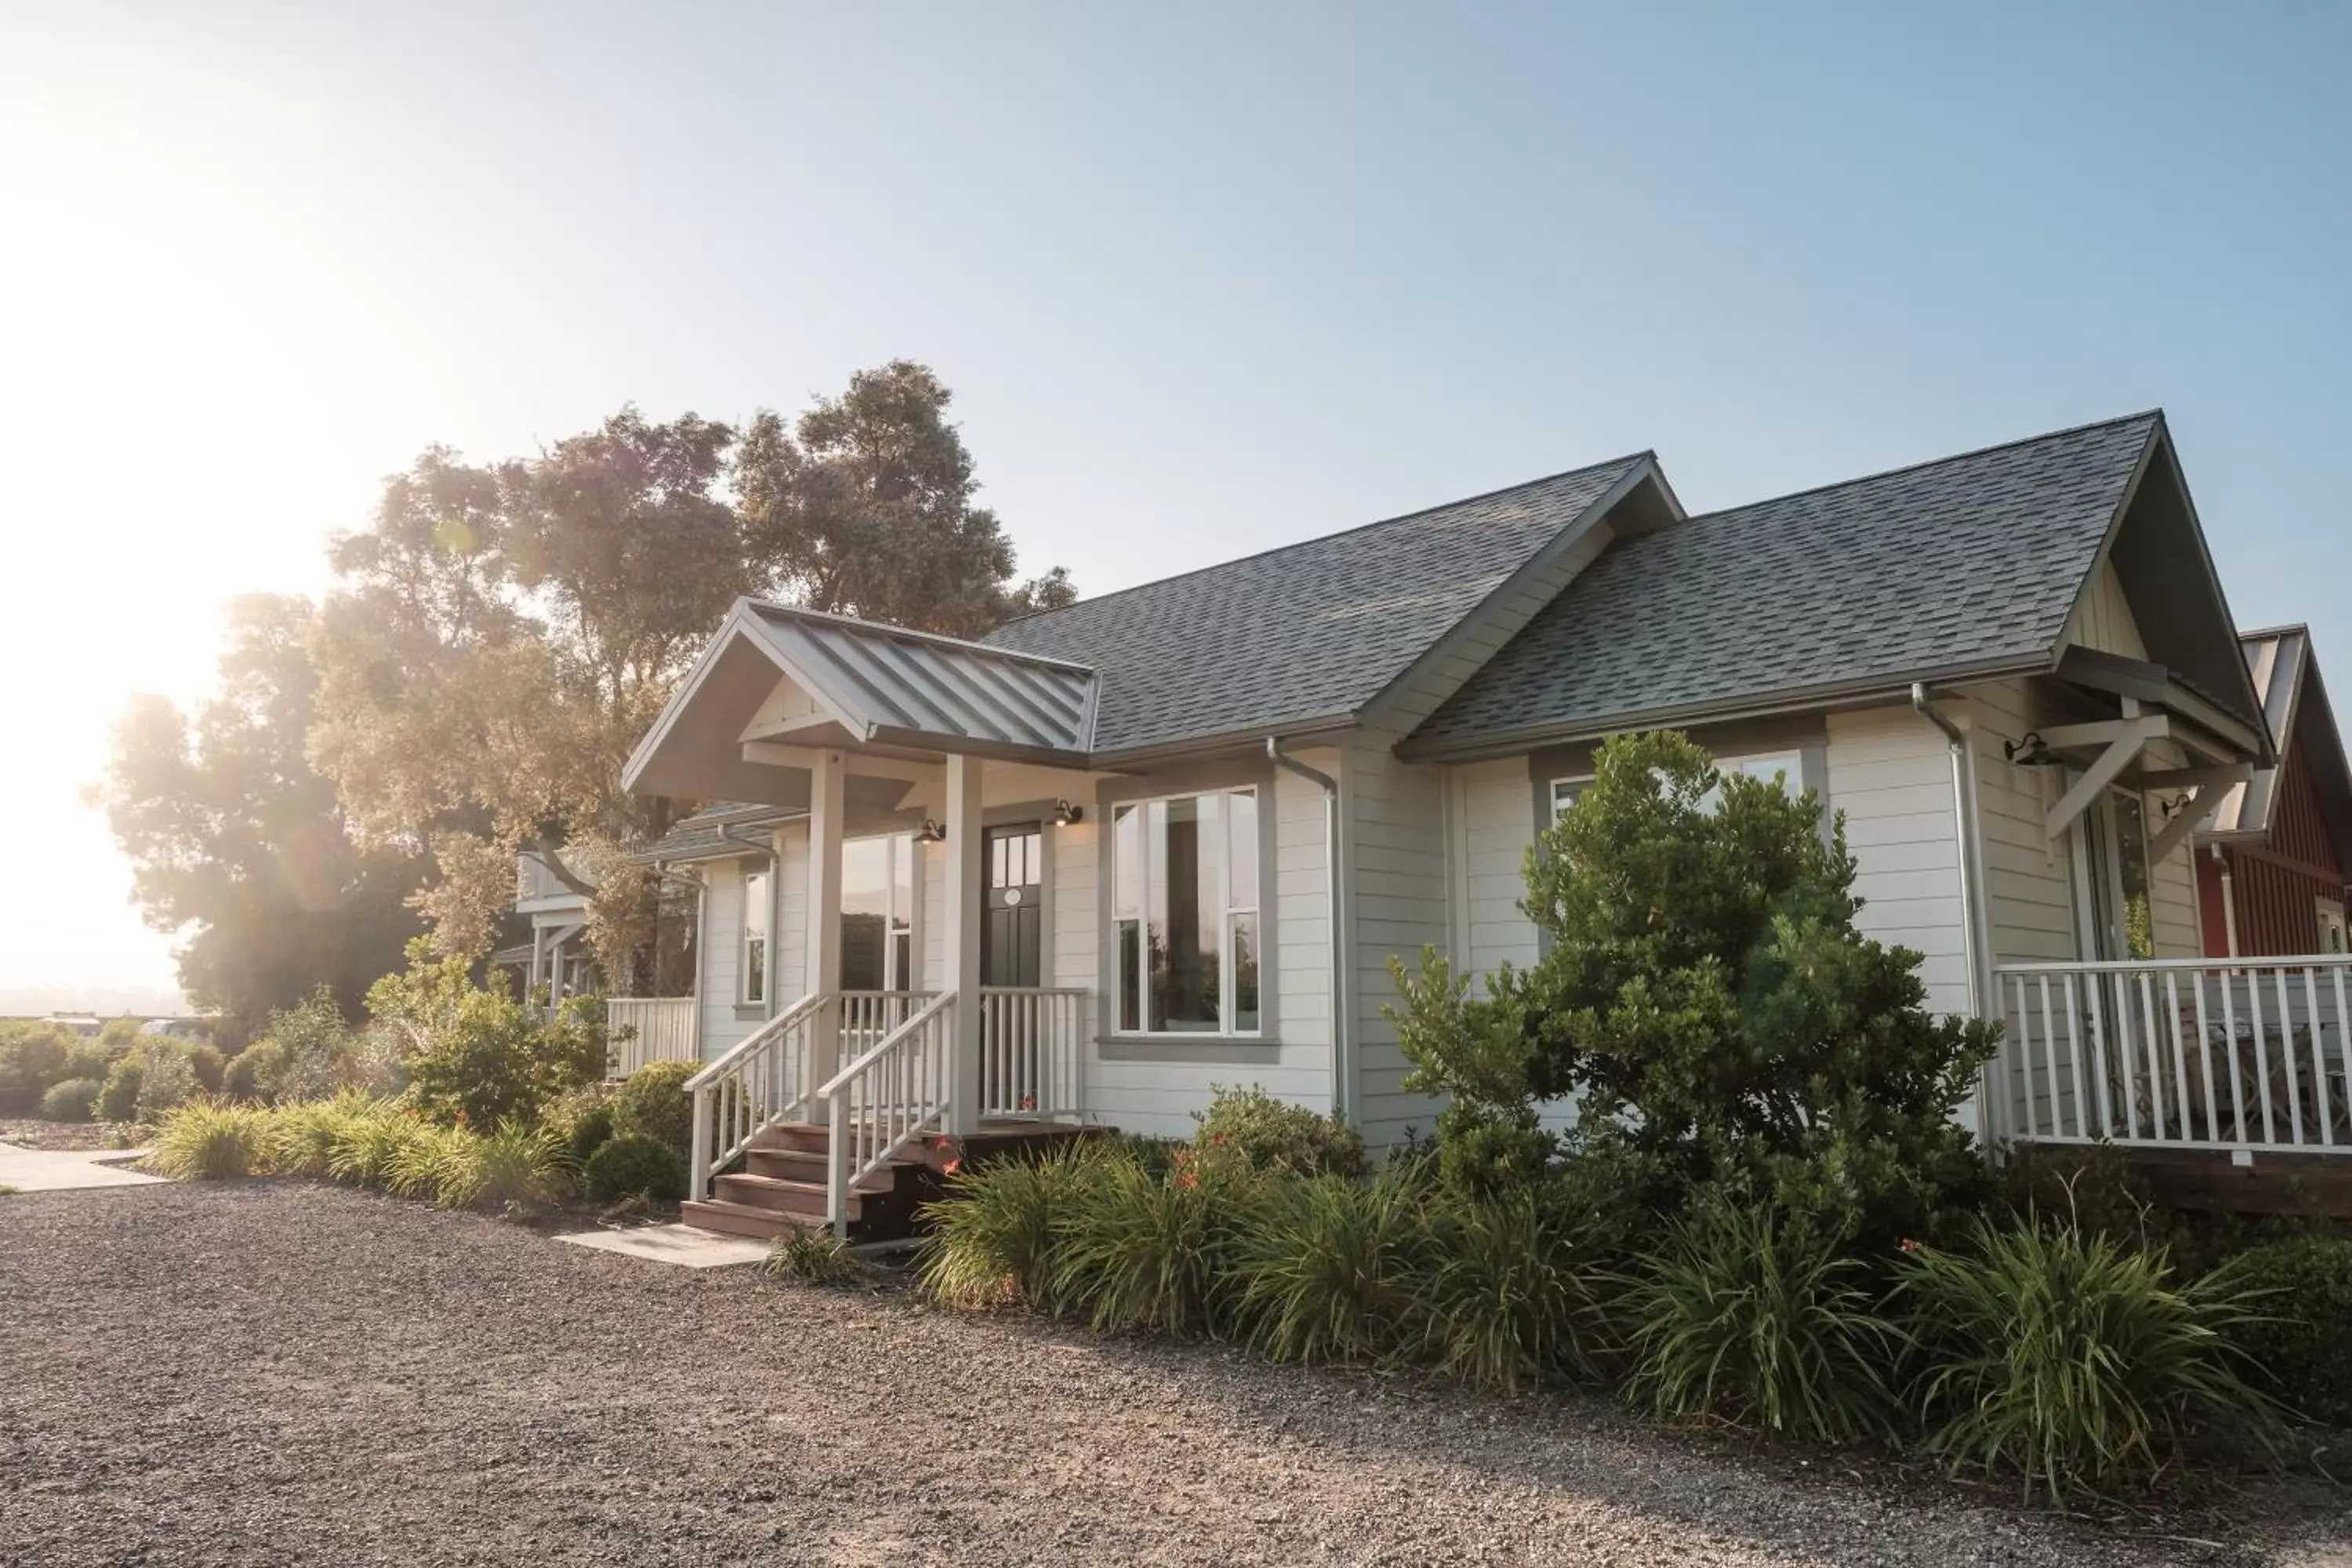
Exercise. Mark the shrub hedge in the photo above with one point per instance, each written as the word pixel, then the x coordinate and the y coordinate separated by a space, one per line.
pixel 72 1099
pixel 2299 1340
pixel 633 1166
pixel 653 1103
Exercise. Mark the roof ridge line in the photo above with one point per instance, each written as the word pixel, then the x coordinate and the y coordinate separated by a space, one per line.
pixel 2157 414
pixel 1650 454
pixel 891 628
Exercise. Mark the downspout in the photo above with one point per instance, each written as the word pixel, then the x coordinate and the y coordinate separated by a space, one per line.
pixel 2229 900
pixel 1971 895
pixel 1341 1099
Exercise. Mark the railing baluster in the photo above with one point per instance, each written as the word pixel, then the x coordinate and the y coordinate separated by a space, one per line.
pixel 2179 1050
pixel 2155 1059
pixel 2343 1041
pixel 2318 1060
pixel 2050 1063
pixel 2262 1052
pixel 2205 1058
pixel 2230 1039
pixel 2286 1054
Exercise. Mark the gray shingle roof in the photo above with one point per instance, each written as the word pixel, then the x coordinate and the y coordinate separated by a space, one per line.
pixel 1959 564
pixel 1305 631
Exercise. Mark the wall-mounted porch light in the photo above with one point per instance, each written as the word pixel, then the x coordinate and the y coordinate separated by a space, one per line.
pixel 932 831
pixel 2030 753
pixel 1066 814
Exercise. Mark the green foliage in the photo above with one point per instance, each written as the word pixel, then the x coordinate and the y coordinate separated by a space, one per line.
pixel 1706 994
pixel 208 1065
pixel 118 1100
pixel 1745 1315
pixel 1326 1267
pixel 210 1141
pixel 632 1165
pixel 2097 1188
pixel 2076 1360
pixel 481 1056
pixel 119 1034
pixel 653 1103
pixel 519 1166
pixel 70 1099
pixel 2300 1345
pixel 1137 1251
pixel 253 1073
pixel 302 1136
pixel 581 1120
pixel 363 1147
pixel 990 1238
pixel 1515 1296
pixel 435 1163
pixel 815 1258
pixel 168 1079
pixel 1249 1129
pixel 32 1057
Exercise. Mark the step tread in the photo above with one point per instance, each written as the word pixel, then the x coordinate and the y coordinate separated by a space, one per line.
pixel 876 1183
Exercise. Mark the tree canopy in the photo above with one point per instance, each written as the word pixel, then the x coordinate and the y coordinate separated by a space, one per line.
pixel 234 837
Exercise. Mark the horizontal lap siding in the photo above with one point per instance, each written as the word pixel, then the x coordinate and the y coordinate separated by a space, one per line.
pixel 2173 917
pixel 1497 829
pixel 2029 876
pixel 1399 903
pixel 1890 775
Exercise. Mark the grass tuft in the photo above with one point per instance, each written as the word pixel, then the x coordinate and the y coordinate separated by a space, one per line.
pixel 815 1258
pixel 1324 1268
pixel 208 1140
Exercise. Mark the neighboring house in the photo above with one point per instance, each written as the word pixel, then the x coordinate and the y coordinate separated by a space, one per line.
pixel 2272 863
pixel 1089 868
pixel 557 956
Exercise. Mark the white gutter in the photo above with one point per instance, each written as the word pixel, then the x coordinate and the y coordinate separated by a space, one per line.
pixel 1342 1101
pixel 2228 901
pixel 1963 825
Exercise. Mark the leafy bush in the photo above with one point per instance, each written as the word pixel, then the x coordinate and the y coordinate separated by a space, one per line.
pixel 33 1056
pixel 633 1166
pixel 2074 1359
pixel 2300 1345
pixel 207 1064
pixel 653 1103
pixel 169 1080
pixel 117 1099
pixel 815 1258
pixel 519 1166
pixel 1743 1315
pixel 254 1073
pixel 1255 1131
pixel 1706 994
pixel 121 1034
pixel 481 1056
pixel 1513 1296
pixel 209 1140
pixel 435 1163
pixel 1325 1269
pixel 365 1147
pixel 303 1135
pixel 1135 1251
pixel 990 1237
pixel 70 1101
pixel 583 1120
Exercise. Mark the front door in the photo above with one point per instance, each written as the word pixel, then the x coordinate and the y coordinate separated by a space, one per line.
pixel 1013 928
pixel 1012 931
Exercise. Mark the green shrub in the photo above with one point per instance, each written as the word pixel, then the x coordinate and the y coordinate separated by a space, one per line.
pixel 633 1166
pixel 991 1237
pixel 436 1163
pixel 1746 1316
pixel 168 1081
pixel 2300 1345
pixel 209 1140
pixel 33 1056
pixel 522 1166
pixel 255 1072
pixel 117 1099
pixel 121 1034
pixel 1255 1131
pixel 364 1148
pixel 1325 1269
pixel 1134 1251
pixel 2074 1359
pixel 70 1101
pixel 582 1119
pixel 481 1056
pixel 653 1103
pixel 209 1066
pixel 1513 1295
pixel 302 1135
pixel 815 1258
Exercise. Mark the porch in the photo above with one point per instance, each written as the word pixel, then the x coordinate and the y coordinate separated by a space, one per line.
pixel 2203 1070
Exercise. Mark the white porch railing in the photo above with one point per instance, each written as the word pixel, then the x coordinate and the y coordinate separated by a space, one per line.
pixel 868 1016
pixel 642 1029
pixel 762 1081
pixel 1032 1051
pixel 2177 1053
pixel 894 1093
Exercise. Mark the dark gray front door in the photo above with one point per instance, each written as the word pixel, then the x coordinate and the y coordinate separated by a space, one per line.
pixel 1011 927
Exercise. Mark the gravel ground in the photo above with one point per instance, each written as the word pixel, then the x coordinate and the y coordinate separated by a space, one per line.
pixel 274 1372
pixel 33 1134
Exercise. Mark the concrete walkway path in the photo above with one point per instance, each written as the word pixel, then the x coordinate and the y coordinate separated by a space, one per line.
pixel 64 1170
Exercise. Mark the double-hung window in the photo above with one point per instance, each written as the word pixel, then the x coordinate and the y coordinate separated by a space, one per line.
pixel 755 936
pixel 1784 768
pixel 877 914
pixel 1184 914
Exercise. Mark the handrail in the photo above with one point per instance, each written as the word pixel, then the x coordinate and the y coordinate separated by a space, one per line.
pixel 2134 966
pixel 883 1047
pixel 755 1040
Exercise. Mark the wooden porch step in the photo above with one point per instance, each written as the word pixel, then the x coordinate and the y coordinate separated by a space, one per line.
pixel 741 1219
pixel 810 1165
pixel 781 1196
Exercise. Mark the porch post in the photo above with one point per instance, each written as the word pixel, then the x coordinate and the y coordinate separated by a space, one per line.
pixel 961 943
pixel 821 971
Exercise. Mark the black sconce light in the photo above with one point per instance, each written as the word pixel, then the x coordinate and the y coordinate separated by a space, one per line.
pixel 932 831
pixel 2031 752
pixel 1066 814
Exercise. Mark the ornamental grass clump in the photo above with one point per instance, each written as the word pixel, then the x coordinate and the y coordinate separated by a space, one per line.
pixel 521 1167
pixel 364 1148
pixel 1137 1251
pixel 2074 1359
pixel 815 1258
pixel 1325 1269
pixel 436 1163
pixel 991 1239
pixel 210 1141
pixel 302 1135
pixel 1746 1316
pixel 1513 1296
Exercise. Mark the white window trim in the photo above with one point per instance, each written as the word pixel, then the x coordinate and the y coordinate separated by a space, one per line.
pixel 1227 955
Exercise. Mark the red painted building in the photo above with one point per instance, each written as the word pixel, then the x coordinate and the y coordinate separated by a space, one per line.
pixel 2273 864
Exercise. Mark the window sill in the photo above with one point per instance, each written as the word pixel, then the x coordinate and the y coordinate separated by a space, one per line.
pixel 1260 1050
pixel 751 1012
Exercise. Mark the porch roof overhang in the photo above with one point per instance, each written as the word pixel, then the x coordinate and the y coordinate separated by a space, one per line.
pixel 853 686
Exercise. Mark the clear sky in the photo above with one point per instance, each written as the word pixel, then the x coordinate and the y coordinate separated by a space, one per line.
pixel 1205 277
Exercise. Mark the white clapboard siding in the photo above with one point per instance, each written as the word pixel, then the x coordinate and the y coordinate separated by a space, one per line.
pixel 1399 903
pixel 2104 619
pixel 2029 877
pixel 1493 823
pixel 1890 775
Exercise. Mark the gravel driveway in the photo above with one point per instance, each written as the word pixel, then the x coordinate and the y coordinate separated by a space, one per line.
pixel 275 1372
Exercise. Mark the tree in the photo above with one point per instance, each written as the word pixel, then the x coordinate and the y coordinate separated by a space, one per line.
pixel 1709 1001
pixel 865 508
pixel 234 839
pixel 501 635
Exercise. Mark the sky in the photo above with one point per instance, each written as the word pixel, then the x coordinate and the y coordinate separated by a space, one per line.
pixel 1204 279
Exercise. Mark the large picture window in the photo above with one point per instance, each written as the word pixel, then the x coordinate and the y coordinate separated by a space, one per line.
pixel 755 936
pixel 1184 914
pixel 877 914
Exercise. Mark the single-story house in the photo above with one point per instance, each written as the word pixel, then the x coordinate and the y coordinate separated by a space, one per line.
pixel 1114 854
